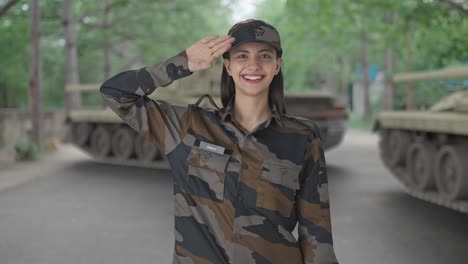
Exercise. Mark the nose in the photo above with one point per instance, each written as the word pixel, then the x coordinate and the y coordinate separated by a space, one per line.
pixel 253 63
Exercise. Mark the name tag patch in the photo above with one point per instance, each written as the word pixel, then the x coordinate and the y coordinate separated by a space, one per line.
pixel 211 147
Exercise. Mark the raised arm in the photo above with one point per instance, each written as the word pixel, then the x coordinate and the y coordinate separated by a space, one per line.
pixel 315 234
pixel 162 123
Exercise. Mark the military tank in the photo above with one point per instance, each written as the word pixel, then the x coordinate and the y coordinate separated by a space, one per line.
pixel 428 150
pixel 102 134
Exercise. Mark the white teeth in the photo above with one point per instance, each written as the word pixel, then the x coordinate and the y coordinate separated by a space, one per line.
pixel 253 78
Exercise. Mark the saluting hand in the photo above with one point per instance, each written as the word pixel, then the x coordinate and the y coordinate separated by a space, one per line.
pixel 203 53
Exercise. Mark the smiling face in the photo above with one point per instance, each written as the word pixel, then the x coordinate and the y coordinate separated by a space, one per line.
pixel 252 66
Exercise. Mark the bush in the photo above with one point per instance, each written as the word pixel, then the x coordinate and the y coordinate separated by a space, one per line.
pixel 26 150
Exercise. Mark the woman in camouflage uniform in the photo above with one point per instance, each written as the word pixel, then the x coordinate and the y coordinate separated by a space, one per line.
pixel 244 175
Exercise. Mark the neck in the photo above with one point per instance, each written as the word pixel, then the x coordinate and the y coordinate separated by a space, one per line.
pixel 250 111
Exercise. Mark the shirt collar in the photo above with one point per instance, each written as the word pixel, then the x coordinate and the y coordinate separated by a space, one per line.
pixel 228 111
pixel 276 115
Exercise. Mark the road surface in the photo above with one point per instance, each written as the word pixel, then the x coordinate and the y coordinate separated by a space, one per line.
pixel 69 209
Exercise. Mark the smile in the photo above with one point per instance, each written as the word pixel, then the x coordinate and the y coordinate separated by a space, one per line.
pixel 252 77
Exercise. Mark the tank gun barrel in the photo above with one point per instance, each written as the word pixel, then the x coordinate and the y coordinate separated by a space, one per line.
pixel 459 72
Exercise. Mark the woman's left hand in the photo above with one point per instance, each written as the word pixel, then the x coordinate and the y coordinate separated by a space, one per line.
pixel 203 53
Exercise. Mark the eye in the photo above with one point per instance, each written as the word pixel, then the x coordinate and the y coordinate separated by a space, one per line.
pixel 241 56
pixel 266 56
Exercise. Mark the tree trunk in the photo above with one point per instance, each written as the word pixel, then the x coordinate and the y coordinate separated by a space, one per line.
pixel 389 89
pixel 316 80
pixel 7 6
pixel 73 99
pixel 332 85
pixel 3 98
pixel 365 75
pixel 107 63
pixel 120 52
pixel 107 45
pixel 35 74
pixel 346 72
pixel 409 68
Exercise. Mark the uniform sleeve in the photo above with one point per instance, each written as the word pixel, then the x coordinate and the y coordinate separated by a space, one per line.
pixel 315 234
pixel 161 123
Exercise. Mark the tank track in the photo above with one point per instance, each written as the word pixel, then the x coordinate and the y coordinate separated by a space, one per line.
pixel 431 196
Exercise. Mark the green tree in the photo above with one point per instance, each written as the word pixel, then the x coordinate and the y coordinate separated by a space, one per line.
pixel 324 39
pixel 134 34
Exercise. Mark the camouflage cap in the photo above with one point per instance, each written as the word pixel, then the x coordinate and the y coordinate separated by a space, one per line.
pixel 253 30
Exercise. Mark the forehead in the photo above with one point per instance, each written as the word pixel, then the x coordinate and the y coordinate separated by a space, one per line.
pixel 254 47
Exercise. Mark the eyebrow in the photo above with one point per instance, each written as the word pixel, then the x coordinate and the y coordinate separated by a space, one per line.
pixel 263 50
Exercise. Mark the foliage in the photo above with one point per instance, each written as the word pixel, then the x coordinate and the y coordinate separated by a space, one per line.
pixel 139 33
pixel 319 35
pixel 26 150
pixel 321 39
pixel 14 63
pixel 425 94
pixel 161 29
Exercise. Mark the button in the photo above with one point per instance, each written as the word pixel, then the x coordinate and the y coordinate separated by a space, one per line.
pixel 179 72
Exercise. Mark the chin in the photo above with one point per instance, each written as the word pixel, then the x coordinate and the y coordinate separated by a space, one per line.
pixel 253 91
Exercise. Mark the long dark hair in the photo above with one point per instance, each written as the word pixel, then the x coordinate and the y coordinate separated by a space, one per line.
pixel 275 91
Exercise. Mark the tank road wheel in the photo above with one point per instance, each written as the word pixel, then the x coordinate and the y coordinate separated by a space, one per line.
pixel 101 141
pixel 123 143
pixel 80 133
pixel 450 173
pixel 146 151
pixel 395 147
pixel 419 161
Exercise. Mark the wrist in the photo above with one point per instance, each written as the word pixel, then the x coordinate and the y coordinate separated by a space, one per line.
pixel 178 67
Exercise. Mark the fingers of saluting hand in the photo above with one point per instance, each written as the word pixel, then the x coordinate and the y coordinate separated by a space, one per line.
pixel 208 39
pixel 202 53
pixel 221 45
pixel 217 45
pixel 219 40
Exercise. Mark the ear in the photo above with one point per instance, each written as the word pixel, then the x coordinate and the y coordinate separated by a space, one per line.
pixel 279 61
pixel 227 65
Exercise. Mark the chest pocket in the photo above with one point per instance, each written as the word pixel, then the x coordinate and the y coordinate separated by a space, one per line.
pixel 208 169
pixel 279 181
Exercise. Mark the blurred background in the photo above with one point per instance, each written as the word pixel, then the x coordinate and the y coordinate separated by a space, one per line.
pixel 356 67
pixel 348 48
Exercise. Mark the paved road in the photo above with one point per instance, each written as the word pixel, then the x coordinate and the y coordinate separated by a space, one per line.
pixel 375 221
pixel 68 209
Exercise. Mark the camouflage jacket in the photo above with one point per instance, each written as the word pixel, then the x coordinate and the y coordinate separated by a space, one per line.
pixel 238 195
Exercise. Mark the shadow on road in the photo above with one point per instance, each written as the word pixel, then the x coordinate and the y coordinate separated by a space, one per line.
pixel 89 168
pixel 415 209
pixel 338 172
